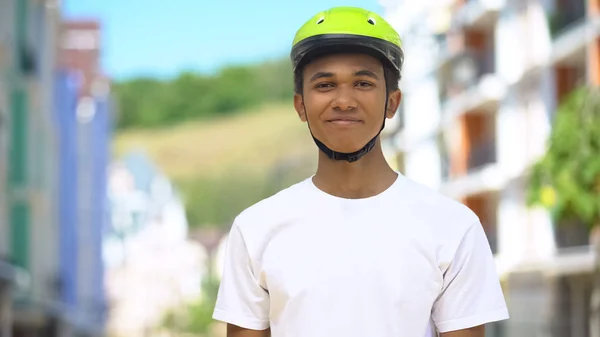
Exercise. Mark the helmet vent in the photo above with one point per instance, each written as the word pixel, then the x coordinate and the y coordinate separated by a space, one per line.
pixel 371 21
pixel 320 21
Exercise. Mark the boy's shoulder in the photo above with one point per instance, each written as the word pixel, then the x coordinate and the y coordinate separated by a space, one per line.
pixel 432 204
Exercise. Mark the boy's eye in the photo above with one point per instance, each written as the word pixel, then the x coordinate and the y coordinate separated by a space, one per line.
pixel 324 85
pixel 364 84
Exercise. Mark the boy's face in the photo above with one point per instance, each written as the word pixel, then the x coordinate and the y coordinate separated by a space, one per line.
pixel 344 100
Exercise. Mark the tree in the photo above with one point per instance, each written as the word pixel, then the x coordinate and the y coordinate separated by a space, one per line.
pixel 149 103
pixel 214 201
pixel 566 180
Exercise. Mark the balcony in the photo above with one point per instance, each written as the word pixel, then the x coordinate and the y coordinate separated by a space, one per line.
pixel 488 178
pixel 568 77
pixel 462 39
pixel 484 96
pixel 451 45
pixel 571 30
pixel 469 145
pixel 445 168
pixel 566 15
pixel 464 71
pixel 566 261
pixel 481 155
pixel 479 14
pixel 469 84
pixel 470 166
pixel 569 46
pixel 485 205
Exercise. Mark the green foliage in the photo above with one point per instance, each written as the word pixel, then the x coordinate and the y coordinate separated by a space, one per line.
pixel 144 102
pixel 217 200
pixel 195 318
pixel 567 179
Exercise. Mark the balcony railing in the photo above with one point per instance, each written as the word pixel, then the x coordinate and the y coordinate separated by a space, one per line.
pixel 492 236
pixel 446 168
pixel 482 154
pixel 479 13
pixel 565 18
pixel 465 72
pixel 445 165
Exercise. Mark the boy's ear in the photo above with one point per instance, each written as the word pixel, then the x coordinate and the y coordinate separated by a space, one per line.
pixel 299 106
pixel 393 103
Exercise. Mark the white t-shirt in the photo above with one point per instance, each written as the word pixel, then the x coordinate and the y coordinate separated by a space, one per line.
pixel 309 264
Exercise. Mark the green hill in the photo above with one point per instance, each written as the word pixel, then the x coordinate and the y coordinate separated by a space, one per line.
pixel 252 142
pixel 216 137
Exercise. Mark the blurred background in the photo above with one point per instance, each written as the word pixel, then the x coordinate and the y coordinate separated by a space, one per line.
pixel 133 132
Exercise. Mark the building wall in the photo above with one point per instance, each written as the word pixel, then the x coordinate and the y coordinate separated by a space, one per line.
pixel 85 203
pixel 516 130
pixel 38 200
pixel 6 50
pixel 422 164
pixel 43 151
pixel 66 95
pixel 420 135
pixel 18 207
pixel 422 113
pixel 101 133
pixel 89 134
pixel 530 298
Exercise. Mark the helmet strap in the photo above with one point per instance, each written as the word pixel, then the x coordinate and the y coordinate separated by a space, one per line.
pixel 348 156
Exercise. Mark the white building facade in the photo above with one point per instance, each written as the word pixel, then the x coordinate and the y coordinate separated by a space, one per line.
pixel 482 80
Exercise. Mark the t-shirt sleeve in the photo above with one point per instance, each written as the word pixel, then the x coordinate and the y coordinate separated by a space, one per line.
pixel 471 293
pixel 241 300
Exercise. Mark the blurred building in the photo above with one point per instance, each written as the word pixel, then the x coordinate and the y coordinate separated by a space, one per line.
pixel 85 133
pixel 6 268
pixel 152 266
pixel 40 163
pixel 482 81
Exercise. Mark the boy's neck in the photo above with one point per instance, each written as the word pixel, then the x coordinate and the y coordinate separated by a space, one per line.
pixel 364 178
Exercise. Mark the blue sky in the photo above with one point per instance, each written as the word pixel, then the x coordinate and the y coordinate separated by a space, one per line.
pixel 162 38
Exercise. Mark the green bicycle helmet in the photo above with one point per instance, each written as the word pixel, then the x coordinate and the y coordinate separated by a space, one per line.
pixel 347 30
